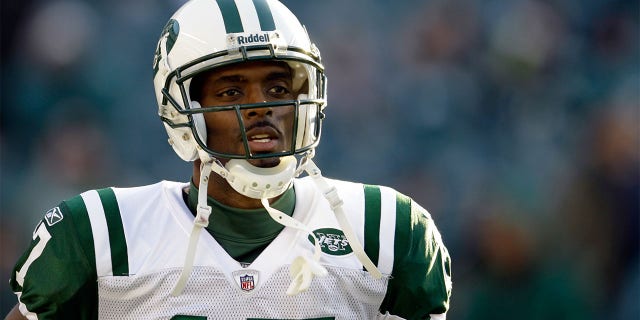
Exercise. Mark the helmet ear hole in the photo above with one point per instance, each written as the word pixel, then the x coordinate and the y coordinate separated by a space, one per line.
pixel 199 125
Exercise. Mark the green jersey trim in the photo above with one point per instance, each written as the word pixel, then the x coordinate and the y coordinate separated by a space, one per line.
pixel 323 318
pixel 117 240
pixel 403 223
pixel 81 223
pixel 60 282
pixel 421 266
pixel 372 212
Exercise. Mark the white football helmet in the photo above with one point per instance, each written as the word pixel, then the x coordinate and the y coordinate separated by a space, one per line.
pixel 206 34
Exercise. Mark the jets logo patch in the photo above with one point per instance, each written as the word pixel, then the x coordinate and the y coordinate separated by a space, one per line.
pixel 332 241
pixel 53 216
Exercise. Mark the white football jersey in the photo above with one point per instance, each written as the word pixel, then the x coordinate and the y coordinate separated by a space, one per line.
pixel 126 250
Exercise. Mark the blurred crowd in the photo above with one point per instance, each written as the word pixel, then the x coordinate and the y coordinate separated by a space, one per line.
pixel 515 123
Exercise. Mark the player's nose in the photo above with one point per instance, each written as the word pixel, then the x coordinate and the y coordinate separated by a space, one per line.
pixel 257 95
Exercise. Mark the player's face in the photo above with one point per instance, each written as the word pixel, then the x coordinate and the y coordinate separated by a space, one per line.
pixel 268 130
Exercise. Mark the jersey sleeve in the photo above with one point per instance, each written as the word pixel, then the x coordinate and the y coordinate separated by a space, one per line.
pixel 56 278
pixel 420 284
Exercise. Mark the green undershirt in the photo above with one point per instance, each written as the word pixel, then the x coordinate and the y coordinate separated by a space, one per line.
pixel 243 233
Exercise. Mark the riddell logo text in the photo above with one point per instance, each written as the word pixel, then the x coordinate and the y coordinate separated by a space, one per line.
pixel 253 38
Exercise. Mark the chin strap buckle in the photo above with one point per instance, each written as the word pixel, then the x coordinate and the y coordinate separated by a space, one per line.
pixel 334 199
pixel 202 217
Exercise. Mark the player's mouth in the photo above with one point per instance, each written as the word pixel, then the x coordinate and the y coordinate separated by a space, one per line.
pixel 263 138
pixel 261 143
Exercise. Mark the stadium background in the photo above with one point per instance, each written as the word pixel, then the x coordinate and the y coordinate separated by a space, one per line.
pixel 515 123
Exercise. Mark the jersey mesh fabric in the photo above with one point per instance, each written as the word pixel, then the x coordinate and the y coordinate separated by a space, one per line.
pixel 343 294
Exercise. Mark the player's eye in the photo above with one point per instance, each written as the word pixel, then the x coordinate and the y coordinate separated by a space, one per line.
pixel 279 92
pixel 233 92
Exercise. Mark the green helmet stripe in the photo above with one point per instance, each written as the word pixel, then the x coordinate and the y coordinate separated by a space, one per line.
pixel 372 213
pixel 231 16
pixel 264 15
pixel 117 240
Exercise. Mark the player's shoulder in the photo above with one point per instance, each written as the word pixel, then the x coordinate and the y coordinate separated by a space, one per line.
pixel 347 186
pixel 388 193
pixel 340 184
pixel 388 197
pixel 151 192
pixel 109 197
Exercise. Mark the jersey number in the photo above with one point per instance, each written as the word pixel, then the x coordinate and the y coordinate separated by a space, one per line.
pixel 45 236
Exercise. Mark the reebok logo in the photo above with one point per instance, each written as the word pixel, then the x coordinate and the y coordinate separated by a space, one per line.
pixel 53 216
pixel 332 241
pixel 253 38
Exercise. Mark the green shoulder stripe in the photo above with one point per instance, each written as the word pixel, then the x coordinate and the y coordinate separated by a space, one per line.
pixel 403 225
pixel 83 303
pixel 117 240
pixel 372 208
pixel 82 225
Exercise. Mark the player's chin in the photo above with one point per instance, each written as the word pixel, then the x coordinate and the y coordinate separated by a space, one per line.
pixel 265 163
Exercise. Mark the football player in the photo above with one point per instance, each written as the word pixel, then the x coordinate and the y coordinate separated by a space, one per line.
pixel 241 91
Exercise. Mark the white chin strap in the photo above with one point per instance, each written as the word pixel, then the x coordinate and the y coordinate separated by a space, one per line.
pixel 303 268
pixel 264 184
pixel 331 194
pixel 256 182
pixel 201 221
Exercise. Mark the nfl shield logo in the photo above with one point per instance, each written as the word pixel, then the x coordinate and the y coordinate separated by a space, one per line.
pixel 246 282
pixel 246 279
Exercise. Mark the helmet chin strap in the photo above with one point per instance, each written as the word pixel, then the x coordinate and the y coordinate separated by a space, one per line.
pixel 303 268
pixel 201 221
pixel 263 184
pixel 331 194
pixel 256 182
